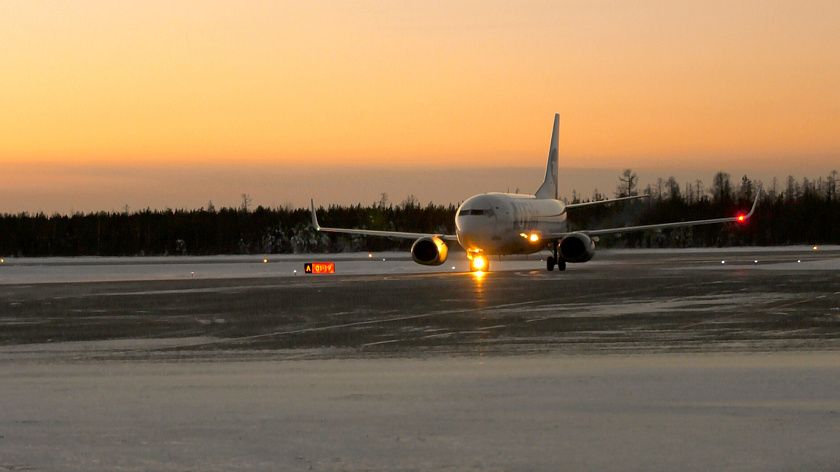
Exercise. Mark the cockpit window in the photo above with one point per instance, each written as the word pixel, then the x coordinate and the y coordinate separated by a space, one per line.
pixel 488 212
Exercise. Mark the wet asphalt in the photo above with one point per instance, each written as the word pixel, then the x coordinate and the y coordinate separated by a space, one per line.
pixel 624 302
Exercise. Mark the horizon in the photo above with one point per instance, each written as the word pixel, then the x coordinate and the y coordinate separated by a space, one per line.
pixel 192 188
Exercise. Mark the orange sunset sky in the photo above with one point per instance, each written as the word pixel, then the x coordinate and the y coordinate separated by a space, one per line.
pixel 172 104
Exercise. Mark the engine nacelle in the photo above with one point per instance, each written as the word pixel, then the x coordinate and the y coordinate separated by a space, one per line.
pixel 429 250
pixel 577 247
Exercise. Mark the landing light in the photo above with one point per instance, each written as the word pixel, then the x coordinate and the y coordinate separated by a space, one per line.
pixel 479 263
pixel 265 261
pixel 534 238
pixel 815 248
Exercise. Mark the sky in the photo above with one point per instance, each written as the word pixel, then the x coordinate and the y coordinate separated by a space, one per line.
pixel 166 104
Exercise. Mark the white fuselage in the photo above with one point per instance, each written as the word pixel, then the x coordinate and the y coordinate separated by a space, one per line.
pixel 502 223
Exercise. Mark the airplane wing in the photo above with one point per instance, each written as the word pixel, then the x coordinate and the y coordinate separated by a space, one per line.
pixel 572 206
pixel 627 229
pixel 371 232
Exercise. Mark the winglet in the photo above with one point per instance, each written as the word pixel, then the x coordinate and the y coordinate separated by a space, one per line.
pixel 755 204
pixel 314 218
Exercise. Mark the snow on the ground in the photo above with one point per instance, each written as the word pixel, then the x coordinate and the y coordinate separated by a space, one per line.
pixel 91 269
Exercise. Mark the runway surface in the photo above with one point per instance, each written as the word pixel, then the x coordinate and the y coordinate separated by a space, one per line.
pixel 639 360
pixel 626 301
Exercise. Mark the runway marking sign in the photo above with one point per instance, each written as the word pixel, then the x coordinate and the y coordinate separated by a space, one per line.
pixel 319 268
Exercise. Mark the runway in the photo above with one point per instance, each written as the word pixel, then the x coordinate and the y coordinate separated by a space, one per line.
pixel 626 301
pixel 639 360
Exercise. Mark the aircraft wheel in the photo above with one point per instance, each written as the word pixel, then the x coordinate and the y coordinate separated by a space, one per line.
pixel 550 263
pixel 561 265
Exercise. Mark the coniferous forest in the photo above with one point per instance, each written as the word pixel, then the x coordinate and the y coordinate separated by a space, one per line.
pixel 789 212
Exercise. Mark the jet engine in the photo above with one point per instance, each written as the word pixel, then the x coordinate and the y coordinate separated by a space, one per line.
pixel 577 247
pixel 429 250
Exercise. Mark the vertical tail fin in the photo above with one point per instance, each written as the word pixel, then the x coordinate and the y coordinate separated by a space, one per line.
pixel 549 187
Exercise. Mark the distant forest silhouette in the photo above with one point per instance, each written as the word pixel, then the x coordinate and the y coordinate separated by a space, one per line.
pixel 795 212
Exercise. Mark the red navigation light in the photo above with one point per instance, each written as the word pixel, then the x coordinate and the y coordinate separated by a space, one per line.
pixel 742 218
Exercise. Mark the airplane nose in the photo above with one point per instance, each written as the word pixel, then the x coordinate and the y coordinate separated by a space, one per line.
pixel 470 224
pixel 476 231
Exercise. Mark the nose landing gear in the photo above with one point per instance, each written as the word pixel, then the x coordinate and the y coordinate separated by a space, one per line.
pixel 479 263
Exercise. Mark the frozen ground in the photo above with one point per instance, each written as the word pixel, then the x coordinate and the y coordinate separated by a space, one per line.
pixel 651 360
pixel 92 269
pixel 755 412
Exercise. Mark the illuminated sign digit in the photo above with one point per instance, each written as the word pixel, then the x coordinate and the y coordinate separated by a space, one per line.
pixel 319 268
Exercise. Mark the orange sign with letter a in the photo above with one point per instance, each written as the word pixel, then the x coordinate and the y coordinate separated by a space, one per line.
pixel 319 268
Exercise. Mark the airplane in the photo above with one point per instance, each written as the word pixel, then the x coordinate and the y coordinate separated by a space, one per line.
pixel 507 224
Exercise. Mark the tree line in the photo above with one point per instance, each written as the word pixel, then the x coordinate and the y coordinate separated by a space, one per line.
pixel 209 231
pixel 793 212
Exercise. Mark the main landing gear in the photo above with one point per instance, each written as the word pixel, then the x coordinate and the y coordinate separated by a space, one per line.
pixel 555 261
